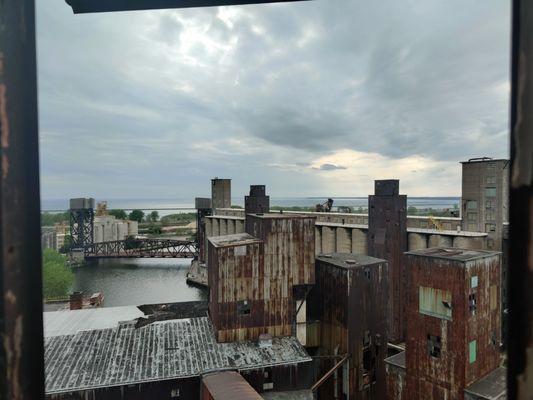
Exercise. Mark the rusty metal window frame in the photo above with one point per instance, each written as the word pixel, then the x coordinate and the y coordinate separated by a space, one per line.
pixel 21 336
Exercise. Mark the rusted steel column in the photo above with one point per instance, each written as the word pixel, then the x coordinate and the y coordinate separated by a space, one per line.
pixel 520 336
pixel 21 331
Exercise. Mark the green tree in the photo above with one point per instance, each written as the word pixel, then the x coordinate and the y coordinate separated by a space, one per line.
pixel 49 219
pixel 118 214
pixel 411 210
pixel 154 216
pixel 66 246
pixel 136 215
pixel 57 277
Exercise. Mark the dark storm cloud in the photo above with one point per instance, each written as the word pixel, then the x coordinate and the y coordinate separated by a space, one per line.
pixel 148 98
pixel 331 167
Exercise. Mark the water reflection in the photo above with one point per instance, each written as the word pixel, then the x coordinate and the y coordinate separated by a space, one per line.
pixel 134 282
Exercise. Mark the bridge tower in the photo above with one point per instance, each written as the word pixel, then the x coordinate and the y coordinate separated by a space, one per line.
pixel 203 209
pixel 81 222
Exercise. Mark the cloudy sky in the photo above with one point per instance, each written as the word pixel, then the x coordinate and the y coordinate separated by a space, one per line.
pixel 312 99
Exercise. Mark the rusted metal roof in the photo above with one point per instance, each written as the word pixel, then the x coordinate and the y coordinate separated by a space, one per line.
pixel 172 349
pixel 453 254
pixel 349 260
pixel 291 395
pixel 238 239
pixel 491 387
pixel 397 360
pixel 229 385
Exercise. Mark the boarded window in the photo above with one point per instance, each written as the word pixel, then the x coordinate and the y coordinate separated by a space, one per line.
pixel 493 297
pixel 435 302
pixel 472 349
pixel 473 282
pixel 472 216
pixel 491 179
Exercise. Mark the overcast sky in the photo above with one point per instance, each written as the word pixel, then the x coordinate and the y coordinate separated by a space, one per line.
pixel 312 98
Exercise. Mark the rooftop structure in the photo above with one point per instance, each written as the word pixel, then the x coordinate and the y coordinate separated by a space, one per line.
pixel 220 193
pixel 257 202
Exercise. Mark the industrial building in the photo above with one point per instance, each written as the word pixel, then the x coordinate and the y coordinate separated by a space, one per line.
pixel 120 353
pixel 485 198
pixel 107 228
pixel 387 239
pixel 453 325
pixel 350 302
pixel 257 278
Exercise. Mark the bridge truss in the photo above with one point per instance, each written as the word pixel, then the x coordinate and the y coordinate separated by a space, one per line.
pixel 143 248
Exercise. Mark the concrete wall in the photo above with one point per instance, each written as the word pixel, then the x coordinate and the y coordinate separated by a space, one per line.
pixel 108 229
pixel 334 237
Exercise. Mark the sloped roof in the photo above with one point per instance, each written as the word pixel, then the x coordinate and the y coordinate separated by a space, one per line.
pixel 173 349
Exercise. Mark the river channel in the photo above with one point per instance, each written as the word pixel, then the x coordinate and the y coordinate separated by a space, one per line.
pixel 134 282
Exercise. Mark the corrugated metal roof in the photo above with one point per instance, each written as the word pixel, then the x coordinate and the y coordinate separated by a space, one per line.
pixel 350 260
pixel 233 240
pixel 491 387
pixel 229 385
pixel 164 350
pixel 70 322
pixel 453 253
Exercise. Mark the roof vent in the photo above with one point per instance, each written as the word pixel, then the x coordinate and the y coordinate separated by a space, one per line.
pixel 265 340
pixel 327 256
pixel 351 262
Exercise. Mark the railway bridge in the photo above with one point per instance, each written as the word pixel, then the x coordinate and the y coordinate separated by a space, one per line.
pixel 142 248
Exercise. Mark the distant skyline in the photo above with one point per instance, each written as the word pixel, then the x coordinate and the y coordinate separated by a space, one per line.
pixel 311 99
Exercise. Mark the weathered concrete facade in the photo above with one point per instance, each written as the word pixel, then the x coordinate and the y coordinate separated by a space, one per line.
pixel 485 198
pixel 453 321
pixel 350 301
pixel 339 237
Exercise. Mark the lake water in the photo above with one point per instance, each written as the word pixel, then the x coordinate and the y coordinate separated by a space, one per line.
pixel 171 206
pixel 135 282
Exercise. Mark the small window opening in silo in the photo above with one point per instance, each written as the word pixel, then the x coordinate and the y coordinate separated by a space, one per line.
pixel 243 308
pixel 369 360
pixel 493 338
pixel 366 339
pixel 472 304
pixel 434 346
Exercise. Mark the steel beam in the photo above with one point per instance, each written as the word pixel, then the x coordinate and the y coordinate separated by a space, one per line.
pixel 94 6
pixel 21 324
pixel 520 335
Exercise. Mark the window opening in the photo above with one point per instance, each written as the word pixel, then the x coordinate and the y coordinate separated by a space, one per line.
pixel 434 346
